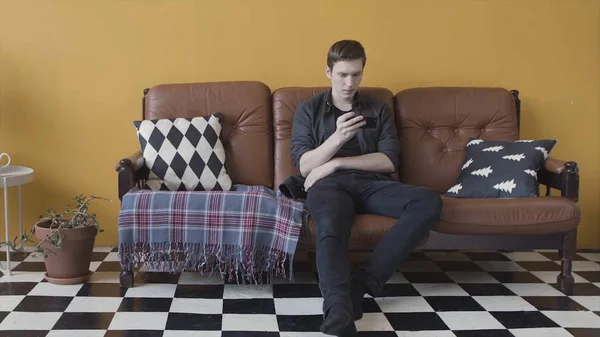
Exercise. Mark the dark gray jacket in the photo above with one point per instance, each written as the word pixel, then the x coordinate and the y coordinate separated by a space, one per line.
pixel 314 122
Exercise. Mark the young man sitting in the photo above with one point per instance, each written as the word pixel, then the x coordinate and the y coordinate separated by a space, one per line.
pixel 348 166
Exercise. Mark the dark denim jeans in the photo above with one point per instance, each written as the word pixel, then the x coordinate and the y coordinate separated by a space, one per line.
pixel 333 203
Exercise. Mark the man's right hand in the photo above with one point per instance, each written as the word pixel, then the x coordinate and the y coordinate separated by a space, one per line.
pixel 347 126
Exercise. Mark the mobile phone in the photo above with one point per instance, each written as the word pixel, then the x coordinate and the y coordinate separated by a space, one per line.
pixel 371 122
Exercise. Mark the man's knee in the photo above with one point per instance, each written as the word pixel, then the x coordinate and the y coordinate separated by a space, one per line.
pixel 322 194
pixel 318 199
pixel 332 212
pixel 429 201
pixel 333 222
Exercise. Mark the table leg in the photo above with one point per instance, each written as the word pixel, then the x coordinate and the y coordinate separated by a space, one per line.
pixel 7 270
pixel 19 248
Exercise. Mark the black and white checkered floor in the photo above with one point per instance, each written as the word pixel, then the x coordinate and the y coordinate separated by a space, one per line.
pixel 434 294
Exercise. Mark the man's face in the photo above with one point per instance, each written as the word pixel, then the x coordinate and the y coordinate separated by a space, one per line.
pixel 345 77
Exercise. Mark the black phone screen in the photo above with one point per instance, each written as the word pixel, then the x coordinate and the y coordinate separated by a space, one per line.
pixel 371 122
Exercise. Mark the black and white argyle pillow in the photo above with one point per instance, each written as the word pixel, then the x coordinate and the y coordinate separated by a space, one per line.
pixel 184 154
pixel 501 169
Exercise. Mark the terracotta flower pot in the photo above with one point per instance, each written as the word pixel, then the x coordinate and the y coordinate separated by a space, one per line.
pixel 69 265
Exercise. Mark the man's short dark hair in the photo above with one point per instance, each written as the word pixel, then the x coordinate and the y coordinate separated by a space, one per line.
pixel 346 50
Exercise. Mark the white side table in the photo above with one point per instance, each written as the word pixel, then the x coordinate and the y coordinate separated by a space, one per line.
pixel 13 176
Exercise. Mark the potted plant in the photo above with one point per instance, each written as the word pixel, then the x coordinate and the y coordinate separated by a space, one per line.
pixel 67 241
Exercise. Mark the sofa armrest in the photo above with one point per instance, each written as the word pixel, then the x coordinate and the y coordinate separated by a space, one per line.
pixel 561 175
pixel 135 162
pixel 131 172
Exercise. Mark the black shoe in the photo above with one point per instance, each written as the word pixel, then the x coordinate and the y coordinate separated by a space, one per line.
pixel 357 293
pixel 338 322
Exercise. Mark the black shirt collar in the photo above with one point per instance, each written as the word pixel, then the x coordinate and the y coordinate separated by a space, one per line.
pixel 355 103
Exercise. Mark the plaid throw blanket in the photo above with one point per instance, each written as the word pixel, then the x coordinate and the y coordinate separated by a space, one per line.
pixel 246 233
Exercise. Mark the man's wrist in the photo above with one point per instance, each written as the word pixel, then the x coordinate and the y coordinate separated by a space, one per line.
pixel 336 163
pixel 336 142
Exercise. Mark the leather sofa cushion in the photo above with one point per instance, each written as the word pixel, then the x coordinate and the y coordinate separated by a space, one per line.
pixel 538 215
pixel 434 125
pixel 247 121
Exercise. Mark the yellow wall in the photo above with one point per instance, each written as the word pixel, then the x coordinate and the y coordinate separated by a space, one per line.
pixel 72 72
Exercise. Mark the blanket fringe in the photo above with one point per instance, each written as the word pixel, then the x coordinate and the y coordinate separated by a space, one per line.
pixel 253 265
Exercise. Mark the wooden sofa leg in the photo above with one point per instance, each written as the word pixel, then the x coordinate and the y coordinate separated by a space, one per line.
pixel 565 280
pixel 126 279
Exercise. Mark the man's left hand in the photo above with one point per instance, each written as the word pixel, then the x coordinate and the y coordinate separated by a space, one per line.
pixel 319 173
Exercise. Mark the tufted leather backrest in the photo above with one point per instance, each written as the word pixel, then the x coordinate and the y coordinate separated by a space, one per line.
pixel 285 101
pixel 247 121
pixel 434 125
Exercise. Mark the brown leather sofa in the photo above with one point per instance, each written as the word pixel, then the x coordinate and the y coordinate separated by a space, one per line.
pixel 256 134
